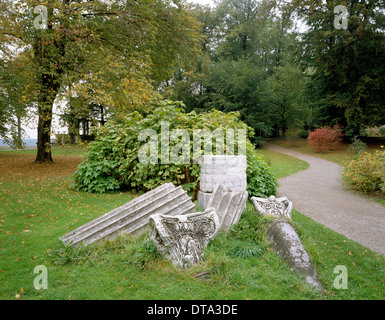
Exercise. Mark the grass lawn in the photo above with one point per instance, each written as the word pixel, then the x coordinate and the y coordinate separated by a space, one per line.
pixel 282 164
pixel 38 205
pixel 340 156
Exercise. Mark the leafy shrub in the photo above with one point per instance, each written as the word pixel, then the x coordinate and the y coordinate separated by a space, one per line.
pixel 304 134
pixel 382 131
pixel 367 171
pixel 357 145
pixel 326 138
pixel 112 163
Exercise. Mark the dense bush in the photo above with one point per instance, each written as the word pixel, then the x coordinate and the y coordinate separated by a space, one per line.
pixel 304 134
pixel 326 138
pixel 367 171
pixel 112 163
pixel 357 145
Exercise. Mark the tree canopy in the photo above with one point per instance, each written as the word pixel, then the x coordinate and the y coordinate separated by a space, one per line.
pixel 112 49
pixel 248 56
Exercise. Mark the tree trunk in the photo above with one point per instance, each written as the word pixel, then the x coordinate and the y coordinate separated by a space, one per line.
pixel 44 134
pixel 49 49
pixel 19 140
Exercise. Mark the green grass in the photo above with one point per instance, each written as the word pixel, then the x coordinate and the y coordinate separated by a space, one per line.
pixel 282 164
pixel 64 150
pixel 38 205
pixel 341 156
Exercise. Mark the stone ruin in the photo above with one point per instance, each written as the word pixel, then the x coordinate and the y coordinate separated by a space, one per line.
pixel 134 216
pixel 288 246
pixel 181 234
pixel 228 171
pixel 183 238
pixel 286 242
pixel 229 205
pixel 272 206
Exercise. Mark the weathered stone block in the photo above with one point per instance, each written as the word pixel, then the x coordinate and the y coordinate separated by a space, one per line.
pixel 227 170
pixel 183 238
pixel 276 207
pixel 288 245
pixel 203 199
pixel 229 205
pixel 133 217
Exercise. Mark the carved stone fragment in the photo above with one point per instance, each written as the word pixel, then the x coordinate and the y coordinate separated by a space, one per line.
pixel 132 217
pixel 228 170
pixel 183 238
pixel 229 205
pixel 276 207
pixel 288 246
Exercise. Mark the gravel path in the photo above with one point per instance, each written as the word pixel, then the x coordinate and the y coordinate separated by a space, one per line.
pixel 319 193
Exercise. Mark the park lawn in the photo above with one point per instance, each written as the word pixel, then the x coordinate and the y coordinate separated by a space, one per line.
pixel 282 164
pixel 63 150
pixel 38 205
pixel 341 156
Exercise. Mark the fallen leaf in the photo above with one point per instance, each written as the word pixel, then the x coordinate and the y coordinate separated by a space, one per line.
pixel 350 253
pixel 22 290
pixel 17 296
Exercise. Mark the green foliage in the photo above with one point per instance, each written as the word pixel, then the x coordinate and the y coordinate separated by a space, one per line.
pixel 112 163
pixel 141 253
pixel 303 134
pixel 347 65
pixel 247 250
pixel 251 228
pixel 66 254
pixel 367 171
pixel 357 145
pixel 247 67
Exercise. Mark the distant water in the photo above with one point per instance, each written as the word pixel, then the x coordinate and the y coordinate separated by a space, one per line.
pixel 28 143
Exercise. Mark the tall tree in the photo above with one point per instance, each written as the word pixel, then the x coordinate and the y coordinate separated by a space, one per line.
pixel 348 64
pixel 16 98
pixel 144 34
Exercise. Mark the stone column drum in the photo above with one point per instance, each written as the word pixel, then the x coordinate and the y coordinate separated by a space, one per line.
pixel 229 171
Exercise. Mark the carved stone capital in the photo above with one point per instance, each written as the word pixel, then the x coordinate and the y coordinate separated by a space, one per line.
pixel 183 238
pixel 276 207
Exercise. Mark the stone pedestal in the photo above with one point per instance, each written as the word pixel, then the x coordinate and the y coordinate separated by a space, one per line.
pixel 228 171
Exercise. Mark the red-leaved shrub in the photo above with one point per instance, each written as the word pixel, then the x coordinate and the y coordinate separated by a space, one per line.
pixel 326 138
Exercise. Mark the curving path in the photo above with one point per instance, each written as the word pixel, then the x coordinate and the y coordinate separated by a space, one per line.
pixel 319 193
